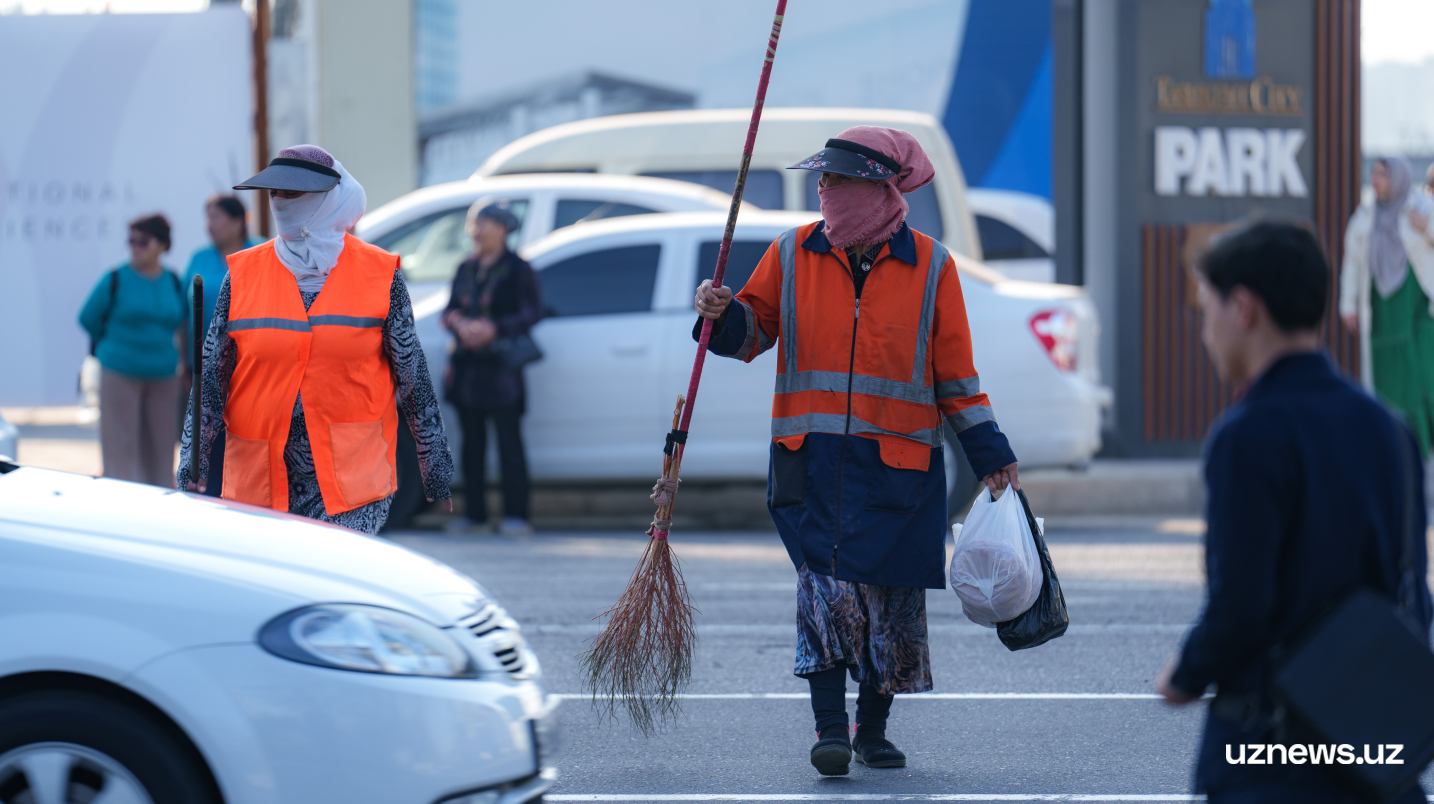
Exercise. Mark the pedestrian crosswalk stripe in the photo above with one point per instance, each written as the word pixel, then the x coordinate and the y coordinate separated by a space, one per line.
pixel 872 797
pixel 1078 629
pixel 920 696
pixel 876 797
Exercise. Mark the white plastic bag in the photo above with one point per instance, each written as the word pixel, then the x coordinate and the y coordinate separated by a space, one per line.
pixel 995 570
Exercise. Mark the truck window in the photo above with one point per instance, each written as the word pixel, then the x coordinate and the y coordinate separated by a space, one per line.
pixel 1001 241
pixel 742 260
pixel 604 282
pixel 431 247
pixel 764 187
pixel 574 210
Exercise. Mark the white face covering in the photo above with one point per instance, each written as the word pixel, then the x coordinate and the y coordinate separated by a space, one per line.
pixel 311 229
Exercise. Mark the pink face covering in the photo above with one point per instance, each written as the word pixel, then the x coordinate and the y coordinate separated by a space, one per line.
pixel 871 212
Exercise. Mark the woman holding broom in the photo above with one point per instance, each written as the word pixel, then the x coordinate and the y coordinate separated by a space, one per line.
pixel 310 357
pixel 874 352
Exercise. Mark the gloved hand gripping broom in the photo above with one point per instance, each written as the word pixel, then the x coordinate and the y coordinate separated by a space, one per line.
pixel 642 660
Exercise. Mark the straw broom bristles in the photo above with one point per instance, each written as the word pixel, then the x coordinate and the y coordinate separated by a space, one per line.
pixel 642 660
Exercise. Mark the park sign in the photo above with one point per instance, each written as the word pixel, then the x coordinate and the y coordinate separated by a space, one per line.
pixel 1231 161
pixel 1216 120
pixel 1223 118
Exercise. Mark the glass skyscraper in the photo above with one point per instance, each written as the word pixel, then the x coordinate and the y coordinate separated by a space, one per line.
pixel 435 53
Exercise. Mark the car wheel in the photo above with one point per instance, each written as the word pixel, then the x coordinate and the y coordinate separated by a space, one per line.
pixel 962 485
pixel 74 747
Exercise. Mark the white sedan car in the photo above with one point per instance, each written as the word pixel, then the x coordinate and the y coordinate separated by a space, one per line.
pixel 618 350
pixel 165 648
pixel 1018 233
pixel 425 227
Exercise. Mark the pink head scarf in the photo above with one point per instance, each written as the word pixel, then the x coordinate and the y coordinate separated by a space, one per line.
pixel 871 212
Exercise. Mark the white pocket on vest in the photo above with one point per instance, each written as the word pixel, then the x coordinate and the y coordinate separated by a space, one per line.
pixel 995 570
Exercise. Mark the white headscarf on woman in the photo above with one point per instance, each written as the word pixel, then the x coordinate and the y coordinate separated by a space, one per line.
pixel 312 226
pixel 1387 259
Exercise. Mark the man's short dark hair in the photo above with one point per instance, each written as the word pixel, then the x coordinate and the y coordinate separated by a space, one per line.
pixel 1279 262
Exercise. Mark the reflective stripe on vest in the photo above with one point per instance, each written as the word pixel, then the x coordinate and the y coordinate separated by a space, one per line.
pixel 791 380
pixel 787 251
pixel 238 324
pixel 959 389
pixel 836 423
pixel 970 417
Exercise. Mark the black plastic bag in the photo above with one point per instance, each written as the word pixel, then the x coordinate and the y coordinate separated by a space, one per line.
pixel 1047 618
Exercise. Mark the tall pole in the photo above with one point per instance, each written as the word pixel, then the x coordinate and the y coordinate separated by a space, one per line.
pixel 261 109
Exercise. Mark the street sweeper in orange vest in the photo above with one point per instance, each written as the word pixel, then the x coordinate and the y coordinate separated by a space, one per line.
pixel 873 355
pixel 310 356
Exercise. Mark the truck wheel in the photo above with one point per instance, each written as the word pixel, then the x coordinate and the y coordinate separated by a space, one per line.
pixel 66 746
pixel 962 485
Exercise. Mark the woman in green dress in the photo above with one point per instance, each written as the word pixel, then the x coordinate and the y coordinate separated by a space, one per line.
pixel 1385 289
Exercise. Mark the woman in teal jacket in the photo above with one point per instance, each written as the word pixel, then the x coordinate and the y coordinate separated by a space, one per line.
pixel 135 317
pixel 224 219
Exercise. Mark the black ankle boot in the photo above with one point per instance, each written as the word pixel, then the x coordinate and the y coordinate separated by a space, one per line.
pixel 831 755
pixel 873 750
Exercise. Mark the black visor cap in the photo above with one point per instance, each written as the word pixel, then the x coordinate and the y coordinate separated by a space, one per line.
pixel 294 175
pixel 848 158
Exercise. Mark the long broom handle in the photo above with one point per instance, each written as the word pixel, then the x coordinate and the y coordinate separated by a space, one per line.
pixel 197 360
pixel 732 216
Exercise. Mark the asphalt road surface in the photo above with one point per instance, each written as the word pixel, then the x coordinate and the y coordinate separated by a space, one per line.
pixel 1073 720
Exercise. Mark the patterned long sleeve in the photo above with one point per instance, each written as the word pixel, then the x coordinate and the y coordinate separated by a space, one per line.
pixel 416 398
pixel 220 357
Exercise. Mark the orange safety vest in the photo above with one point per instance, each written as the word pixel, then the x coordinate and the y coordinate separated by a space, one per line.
pixel 332 357
pixel 889 368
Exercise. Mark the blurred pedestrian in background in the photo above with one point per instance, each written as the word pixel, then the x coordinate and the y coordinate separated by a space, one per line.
pixel 312 338
pixel 495 296
pixel 135 317
pixel 226 221
pixel 1385 289
pixel 1307 489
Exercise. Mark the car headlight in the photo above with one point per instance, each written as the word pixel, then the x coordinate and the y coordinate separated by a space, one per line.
pixel 366 639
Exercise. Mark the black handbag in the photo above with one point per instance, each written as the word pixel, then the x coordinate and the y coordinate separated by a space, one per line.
pixel 513 351
pixel 517 351
pixel 1363 676
pixel 1047 618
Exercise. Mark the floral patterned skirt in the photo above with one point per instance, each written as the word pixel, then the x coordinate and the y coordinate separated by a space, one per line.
pixel 877 632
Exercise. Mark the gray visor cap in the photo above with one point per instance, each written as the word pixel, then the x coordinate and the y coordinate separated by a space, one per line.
pixel 295 175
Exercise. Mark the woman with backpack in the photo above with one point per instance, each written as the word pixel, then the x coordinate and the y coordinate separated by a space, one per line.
pixel 135 317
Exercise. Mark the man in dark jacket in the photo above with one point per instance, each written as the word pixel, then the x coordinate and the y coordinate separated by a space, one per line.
pixel 495 295
pixel 1306 478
